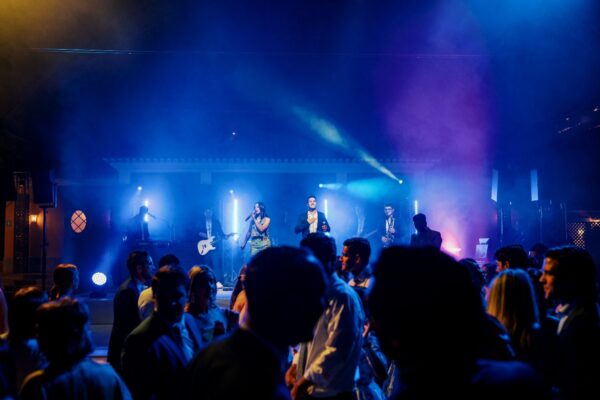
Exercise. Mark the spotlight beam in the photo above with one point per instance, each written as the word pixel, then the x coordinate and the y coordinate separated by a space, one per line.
pixel 328 132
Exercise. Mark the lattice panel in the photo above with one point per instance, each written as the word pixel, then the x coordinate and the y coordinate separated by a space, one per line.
pixel 579 232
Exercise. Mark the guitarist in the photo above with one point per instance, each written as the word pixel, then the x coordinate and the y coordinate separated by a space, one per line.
pixel 209 227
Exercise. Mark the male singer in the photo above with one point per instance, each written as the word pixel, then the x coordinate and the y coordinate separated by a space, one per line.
pixel 312 220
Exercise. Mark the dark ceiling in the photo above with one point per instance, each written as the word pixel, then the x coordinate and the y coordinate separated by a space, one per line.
pixel 458 80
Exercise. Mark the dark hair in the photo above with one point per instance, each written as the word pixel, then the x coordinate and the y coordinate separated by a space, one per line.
pixel 477 275
pixel 262 208
pixel 169 275
pixel 416 283
pixel 201 275
pixel 515 255
pixel 312 196
pixel 360 246
pixel 575 273
pixel 389 205
pixel 419 217
pixel 64 278
pixel 283 286
pixel 323 247
pixel 63 332
pixel 21 312
pixel 168 259
pixel 136 258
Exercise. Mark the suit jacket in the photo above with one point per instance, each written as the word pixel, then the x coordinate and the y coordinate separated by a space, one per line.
pixel 428 238
pixel 395 238
pixel 216 231
pixel 153 359
pixel 125 318
pixel 579 353
pixel 302 226
pixel 84 380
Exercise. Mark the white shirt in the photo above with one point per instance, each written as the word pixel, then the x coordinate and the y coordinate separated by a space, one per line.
pixel 209 228
pixel 313 227
pixel 332 356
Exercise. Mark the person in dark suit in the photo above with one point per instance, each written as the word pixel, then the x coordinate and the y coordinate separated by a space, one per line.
pixel 125 305
pixel 312 221
pixel 137 227
pixel 424 237
pixel 286 296
pixel 157 352
pixel 211 227
pixel 65 339
pixel 569 279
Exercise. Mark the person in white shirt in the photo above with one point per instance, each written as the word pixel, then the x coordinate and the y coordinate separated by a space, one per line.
pixel 327 365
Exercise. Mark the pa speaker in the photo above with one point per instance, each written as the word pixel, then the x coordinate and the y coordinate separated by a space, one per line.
pixel 44 188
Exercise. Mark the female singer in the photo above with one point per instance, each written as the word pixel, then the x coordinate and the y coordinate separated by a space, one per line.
pixel 257 230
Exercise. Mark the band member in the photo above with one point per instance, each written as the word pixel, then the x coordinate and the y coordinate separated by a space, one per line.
pixel 258 229
pixel 211 228
pixel 312 221
pixel 388 228
pixel 137 227
pixel 424 236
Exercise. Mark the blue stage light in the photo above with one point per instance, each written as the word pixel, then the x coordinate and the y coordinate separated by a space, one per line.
pixel 139 188
pixel 321 185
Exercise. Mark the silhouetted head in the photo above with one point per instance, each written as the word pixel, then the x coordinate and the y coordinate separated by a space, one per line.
pixel 170 289
pixel 424 308
pixel 420 221
pixel 66 280
pixel 63 331
pixel 169 259
pixel 285 287
pixel 22 311
pixel 324 248
pixel 513 256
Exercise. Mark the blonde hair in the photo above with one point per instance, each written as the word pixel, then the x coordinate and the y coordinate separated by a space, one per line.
pixel 512 301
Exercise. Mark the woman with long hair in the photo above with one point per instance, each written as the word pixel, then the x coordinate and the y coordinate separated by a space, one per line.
pixel 258 230
pixel 512 301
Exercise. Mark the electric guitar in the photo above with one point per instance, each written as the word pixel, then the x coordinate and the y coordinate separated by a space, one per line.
pixel 207 245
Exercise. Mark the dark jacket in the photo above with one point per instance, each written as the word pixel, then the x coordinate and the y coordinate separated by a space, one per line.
pixel 126 317
pixel 302 226
pixel 153 359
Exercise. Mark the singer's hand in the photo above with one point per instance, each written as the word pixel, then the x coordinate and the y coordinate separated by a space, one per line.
pixel 391 230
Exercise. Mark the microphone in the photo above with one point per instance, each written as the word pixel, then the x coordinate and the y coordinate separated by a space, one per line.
pixel 249 216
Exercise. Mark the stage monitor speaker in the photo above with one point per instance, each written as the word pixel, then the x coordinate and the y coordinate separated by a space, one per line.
pixel 44 188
